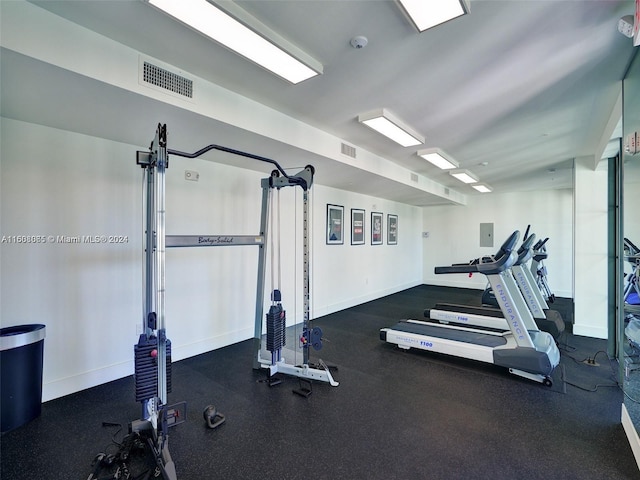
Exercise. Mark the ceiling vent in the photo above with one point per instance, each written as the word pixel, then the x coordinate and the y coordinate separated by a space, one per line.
pixel 348 150
pixel 162 78
pixel 414 177
pixel 446 191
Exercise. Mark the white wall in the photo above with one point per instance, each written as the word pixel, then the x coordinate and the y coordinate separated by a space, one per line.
pixel 210 299
pixel 454 234
pixel 58 183
pixel 88 295
pixel 590 248
pixel 347 275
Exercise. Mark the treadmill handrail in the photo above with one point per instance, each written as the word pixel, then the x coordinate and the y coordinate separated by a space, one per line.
pixel 540 244
pixel 525 252
pixel 504 259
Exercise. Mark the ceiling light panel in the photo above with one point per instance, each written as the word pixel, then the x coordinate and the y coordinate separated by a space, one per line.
pixel 482 187
pixel 438 158
pixel 385 123
pixel 245 35
pixel 428 13
pixel 464 176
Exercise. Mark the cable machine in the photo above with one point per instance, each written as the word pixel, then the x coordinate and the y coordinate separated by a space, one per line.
pixel 153 351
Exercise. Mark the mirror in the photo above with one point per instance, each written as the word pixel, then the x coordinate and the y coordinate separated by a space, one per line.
pixel 631 232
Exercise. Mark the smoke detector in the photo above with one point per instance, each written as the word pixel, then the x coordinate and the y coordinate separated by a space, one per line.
pixel 359 42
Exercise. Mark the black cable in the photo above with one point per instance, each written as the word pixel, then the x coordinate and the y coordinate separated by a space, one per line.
pixel 566 347
pixel 629 396
pixel 121 459
pixel 113 437
pixel 590 360
pixel 595 388
pixel 615 384
pixel 613 372
pixel 562 342
pixel 575 359
pixel 622 386
pixel 602 351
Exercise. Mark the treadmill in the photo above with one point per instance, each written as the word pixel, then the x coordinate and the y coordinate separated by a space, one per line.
pixel 540 271
pixel 631 289
pixel 491 318
pixel 523 349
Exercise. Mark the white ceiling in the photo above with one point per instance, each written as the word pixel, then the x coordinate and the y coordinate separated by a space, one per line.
pixel 514 91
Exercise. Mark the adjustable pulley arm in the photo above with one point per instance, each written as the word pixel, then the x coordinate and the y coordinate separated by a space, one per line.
pixel 303 180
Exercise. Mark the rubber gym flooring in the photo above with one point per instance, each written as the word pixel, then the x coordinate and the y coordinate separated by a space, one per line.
pixel 395 414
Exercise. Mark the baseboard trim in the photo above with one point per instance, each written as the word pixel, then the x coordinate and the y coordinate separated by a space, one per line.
pixel 76 383
pixel 588 331
pixel 352 302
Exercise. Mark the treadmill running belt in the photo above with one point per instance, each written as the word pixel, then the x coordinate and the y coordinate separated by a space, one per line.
pixel 450 334
pixel 469 309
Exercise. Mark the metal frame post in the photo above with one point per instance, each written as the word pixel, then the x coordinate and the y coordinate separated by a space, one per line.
pixel 262 258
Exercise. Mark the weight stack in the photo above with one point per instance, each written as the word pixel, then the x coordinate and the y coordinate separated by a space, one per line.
pixel 276 324
pixel 146 367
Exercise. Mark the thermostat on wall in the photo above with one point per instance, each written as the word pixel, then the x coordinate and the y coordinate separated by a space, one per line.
pixel 631 143
pixel 191 175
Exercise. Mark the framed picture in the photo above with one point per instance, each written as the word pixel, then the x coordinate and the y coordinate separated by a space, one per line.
pixel 335 224
pixel 376 228
pixel 392 229
pixel 357 226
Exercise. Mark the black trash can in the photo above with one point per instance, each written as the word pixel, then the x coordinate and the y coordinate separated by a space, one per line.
pixel 21 353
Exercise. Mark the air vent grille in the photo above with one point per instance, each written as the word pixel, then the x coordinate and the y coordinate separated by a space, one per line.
pixel 168 80
pixel 414 177
pixel 446 190
pixel 348 150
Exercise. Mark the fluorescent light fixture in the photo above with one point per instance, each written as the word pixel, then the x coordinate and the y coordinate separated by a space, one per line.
pixel 428 13
pixel 391 127
pixel 234 28
pixel 439 158
pixel 482 187
pixel 464 175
